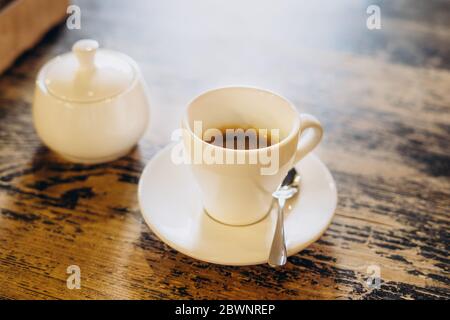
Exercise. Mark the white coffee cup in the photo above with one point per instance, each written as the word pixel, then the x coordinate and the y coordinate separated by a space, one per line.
pixel 241 193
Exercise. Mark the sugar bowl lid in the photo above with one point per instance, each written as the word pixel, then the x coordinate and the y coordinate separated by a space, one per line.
pixel 88 74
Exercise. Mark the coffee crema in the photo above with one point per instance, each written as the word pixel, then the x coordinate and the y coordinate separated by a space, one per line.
pixel 238 138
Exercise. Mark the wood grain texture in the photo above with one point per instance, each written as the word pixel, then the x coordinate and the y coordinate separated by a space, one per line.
pixel 383 97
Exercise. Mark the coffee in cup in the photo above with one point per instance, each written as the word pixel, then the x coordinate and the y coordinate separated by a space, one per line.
pixel 237 174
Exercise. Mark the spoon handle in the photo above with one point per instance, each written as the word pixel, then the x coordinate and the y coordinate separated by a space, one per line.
pixel 278 254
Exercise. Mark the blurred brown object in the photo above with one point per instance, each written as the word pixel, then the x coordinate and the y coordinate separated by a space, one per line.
pixel 23 23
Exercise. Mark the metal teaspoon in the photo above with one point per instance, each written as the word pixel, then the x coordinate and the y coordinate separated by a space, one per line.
pixel 288 188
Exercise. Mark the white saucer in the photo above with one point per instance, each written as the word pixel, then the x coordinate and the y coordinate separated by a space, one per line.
pixel 170 203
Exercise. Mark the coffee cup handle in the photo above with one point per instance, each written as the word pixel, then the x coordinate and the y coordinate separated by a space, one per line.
pixel 310 135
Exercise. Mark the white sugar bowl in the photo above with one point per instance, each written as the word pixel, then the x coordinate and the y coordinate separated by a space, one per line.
pixel 90 105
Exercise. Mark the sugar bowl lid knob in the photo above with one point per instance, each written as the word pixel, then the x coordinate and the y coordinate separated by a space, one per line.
pixel 88 73
pixel 85 50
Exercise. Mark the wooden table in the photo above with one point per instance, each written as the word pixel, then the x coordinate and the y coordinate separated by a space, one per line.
pixel 383 97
